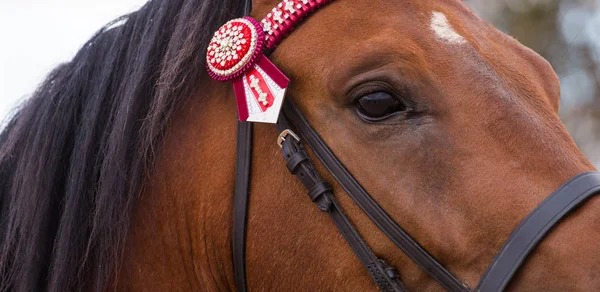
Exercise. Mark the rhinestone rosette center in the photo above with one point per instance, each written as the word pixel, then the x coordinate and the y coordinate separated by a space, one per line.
pixel 235 48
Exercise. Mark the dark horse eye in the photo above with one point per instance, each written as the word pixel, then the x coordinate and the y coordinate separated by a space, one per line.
pixel 378 106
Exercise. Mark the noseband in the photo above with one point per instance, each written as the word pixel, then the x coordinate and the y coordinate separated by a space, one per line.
pixel 518 246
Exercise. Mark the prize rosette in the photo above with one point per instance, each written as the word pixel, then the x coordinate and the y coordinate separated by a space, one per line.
pixel 236 54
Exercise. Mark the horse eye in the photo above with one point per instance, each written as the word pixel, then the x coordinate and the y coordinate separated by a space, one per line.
pixel 378 106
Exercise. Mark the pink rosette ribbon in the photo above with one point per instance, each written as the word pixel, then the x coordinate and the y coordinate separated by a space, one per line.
pixel 236 54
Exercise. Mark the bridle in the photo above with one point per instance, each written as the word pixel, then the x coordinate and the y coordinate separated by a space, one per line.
pixel 294 129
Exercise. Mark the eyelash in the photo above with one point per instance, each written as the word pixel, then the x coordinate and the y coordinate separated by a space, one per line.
pixel 379 86
pixel 366 89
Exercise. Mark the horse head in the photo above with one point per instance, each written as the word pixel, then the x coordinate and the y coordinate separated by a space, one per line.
pixel 447 122
pixel 450 124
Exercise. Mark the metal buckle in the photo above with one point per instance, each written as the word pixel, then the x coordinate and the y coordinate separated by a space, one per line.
pixel 284 135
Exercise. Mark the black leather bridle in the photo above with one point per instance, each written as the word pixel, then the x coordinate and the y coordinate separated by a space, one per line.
pixel 499 273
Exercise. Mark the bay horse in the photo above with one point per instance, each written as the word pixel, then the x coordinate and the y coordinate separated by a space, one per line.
pixel 118 173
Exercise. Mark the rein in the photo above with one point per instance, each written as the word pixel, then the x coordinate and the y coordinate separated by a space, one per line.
pixel 290 121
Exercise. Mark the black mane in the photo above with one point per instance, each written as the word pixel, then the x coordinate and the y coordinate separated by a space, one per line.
pixel 73 158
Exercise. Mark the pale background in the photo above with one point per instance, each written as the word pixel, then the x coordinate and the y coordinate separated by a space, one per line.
pixel 37 35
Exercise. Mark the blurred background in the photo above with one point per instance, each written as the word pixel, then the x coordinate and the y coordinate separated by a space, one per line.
pixel 37 35
pixel 567 34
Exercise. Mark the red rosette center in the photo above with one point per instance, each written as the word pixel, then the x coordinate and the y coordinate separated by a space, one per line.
pixel 234 48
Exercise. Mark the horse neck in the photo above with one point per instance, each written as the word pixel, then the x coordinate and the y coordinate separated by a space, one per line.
pixel 180 239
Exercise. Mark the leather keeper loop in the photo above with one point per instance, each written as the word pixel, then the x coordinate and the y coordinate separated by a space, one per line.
pixel 296 160
pixel 318 190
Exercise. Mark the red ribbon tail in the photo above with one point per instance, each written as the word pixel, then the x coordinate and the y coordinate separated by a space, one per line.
pixel 240 95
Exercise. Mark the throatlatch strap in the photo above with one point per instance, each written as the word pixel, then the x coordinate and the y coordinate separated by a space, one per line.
pixel 412 249
pixel 240 201
pixel 385 276
pixel 533 229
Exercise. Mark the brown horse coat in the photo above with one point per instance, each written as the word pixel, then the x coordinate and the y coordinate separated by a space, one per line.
pixel 485 148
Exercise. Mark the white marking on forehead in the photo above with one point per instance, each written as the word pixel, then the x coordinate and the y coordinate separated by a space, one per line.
pixel 444 30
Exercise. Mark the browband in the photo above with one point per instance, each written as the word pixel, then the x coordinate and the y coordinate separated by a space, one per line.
pixel 237 53
pixel 284 17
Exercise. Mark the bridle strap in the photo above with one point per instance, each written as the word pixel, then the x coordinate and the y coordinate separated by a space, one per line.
pixel 404 241
pixel 241 193
pixel 383 275
pixel 240 202
pixel 533 229
pixel 320 192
